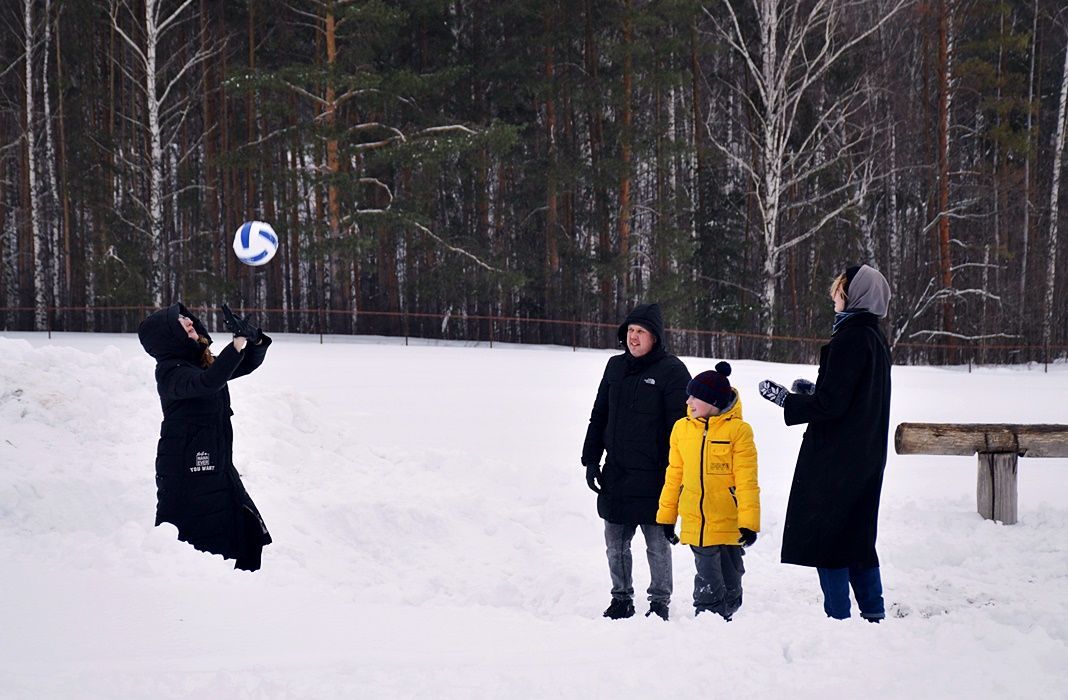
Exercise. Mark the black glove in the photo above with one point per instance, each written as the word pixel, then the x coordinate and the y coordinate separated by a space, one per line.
pixel 669 534
pixel 747 538
pixel 240 327
pixel 775 393
pixel 593 477
pixel 803 386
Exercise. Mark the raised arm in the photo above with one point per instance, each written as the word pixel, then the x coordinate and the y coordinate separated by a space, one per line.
pixel 254 355
pixel 181 380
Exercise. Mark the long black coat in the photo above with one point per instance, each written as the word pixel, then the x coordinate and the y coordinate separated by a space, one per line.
pixel 833 512
pixel 197 487
pixel 637 404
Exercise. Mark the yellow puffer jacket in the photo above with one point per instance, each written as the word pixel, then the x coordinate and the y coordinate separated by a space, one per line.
pixel 711 478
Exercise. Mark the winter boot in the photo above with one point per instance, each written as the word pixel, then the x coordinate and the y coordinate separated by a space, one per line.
pixel 619 609
pixel 658 609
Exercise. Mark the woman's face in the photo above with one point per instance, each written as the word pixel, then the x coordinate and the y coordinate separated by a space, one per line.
pixel 839 299
pixel 187 326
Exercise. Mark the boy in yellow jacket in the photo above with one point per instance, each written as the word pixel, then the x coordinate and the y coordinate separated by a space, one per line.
pixel 711 481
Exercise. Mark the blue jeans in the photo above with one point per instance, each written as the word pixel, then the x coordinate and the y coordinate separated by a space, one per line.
pixel 617 537
pixel 717 587
pixel 867 587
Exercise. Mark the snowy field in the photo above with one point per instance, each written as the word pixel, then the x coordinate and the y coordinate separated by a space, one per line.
pixel 434 536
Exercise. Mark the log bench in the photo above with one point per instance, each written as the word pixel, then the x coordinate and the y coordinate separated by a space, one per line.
pixel 999 445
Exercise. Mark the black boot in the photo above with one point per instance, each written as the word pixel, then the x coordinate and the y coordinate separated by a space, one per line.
pixel 619 609
pixel 658 609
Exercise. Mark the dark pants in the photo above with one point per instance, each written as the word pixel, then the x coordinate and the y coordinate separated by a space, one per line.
pixel 617 537
pixel 867 587
pixel 717 587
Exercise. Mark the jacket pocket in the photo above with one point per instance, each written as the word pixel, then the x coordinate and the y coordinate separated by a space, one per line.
pixel 717 457
pixel 723 509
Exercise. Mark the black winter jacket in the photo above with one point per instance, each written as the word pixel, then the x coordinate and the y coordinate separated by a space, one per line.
pixel 637 404
pixel 198 489
pixel 833 512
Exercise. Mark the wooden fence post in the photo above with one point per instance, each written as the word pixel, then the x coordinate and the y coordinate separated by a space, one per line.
pixel 996 491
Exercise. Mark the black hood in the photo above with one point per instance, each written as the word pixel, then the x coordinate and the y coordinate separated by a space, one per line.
pixel 162 336
pixel 645 315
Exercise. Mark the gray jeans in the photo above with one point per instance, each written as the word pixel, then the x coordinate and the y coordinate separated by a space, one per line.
pixel 717 587
pixel 617 537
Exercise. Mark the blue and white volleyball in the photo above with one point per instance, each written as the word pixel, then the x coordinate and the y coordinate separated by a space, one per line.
pixel 255 243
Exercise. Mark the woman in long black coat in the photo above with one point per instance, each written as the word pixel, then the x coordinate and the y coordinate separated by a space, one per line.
pixel 833 512
pixel 198 489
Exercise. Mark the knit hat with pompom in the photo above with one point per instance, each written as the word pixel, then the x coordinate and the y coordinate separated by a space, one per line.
pixel 712 386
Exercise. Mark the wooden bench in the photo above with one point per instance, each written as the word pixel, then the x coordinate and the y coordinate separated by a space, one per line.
pixel 998 445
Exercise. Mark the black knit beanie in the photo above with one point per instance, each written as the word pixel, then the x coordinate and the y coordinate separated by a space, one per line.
pixel 712 386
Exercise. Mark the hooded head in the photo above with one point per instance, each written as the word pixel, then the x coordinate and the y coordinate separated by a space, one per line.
pixel 162 335
pixel 867 290
pixel 648 317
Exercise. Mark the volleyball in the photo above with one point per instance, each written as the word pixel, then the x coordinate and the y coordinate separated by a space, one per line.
pixel 255 243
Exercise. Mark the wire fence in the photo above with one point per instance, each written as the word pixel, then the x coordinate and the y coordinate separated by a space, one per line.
pixel 490 329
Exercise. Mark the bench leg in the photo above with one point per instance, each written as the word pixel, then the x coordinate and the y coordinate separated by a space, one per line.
pixel 996 490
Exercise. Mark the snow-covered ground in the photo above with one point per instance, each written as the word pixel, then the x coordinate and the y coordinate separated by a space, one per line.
pixel 434 536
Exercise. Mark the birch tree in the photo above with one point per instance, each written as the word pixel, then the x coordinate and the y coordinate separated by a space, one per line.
pixel 785 51
pixel 40 240
pixel 1054 210
pixel 159 80
pixel 355 103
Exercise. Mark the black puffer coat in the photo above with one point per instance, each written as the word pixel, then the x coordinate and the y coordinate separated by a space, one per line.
pixel 638 401
pixel 833 512
pixel 197 487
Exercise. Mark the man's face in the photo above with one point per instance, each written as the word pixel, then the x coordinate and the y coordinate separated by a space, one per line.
pixel 639 340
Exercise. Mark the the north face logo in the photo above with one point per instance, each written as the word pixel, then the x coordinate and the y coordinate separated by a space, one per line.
pixel 203 463
pixel 649 380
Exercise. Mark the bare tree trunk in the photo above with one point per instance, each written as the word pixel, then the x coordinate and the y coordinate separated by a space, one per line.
pixel 40 243
pixel 595 127
pixel 1026 232
pixel 155 162
pixel 1054 211
pixel 625 151
pixel 51 224
pixel 68 298
pixel 552 253
pixel 944 254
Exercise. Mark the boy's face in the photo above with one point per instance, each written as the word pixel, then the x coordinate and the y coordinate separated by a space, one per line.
pixel 701 409
pixel 639 340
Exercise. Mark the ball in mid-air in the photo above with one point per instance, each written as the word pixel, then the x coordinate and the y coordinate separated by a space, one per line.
pixel 255 243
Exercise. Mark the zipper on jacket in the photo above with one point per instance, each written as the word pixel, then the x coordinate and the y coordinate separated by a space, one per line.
pixel 701 503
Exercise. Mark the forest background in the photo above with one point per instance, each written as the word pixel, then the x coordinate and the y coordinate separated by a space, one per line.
pixel 526 171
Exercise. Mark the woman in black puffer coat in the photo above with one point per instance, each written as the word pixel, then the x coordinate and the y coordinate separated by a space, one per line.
pixel 198 490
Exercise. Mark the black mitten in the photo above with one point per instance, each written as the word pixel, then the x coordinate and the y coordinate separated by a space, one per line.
pixel 239 326
pixel 803 386
pixel 669 534
pixel 747 538
pixel 775 393
pixel 593 477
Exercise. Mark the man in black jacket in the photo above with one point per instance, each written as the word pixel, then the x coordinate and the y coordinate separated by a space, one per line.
pixel 642 394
